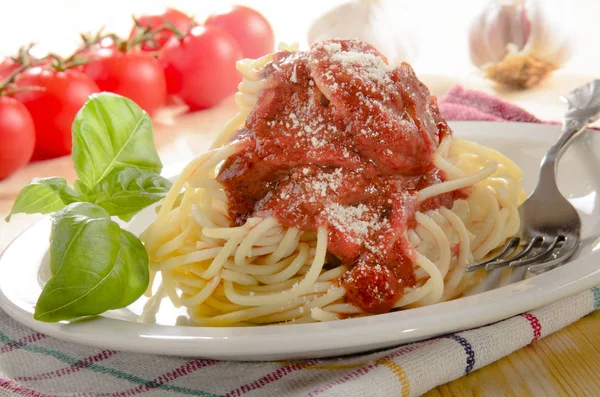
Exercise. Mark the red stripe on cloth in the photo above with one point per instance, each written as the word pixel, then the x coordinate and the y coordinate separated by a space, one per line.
pixel 21 342
pixel 367 368
pixel 536 326
pixel 269 378
pixel 288 369
pixel 185 369
pixel 103 355
pixel 8 384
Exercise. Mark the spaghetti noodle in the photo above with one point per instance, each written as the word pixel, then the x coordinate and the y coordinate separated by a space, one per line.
pixel 337 190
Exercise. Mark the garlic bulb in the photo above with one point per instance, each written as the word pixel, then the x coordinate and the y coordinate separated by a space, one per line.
pixel 520 42
pixel 373 21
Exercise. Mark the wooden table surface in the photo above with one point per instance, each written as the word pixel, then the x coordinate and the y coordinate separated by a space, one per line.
pixel 566 363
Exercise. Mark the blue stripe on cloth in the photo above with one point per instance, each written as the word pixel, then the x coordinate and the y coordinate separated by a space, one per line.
pixel 596 295
pixel 468 350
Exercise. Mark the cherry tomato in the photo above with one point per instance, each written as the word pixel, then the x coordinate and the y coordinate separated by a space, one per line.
pixel 17 135
pixel 7 66
pixel 136 75
pixel 53 107
pixel 181 21
pixel 200 68
pixel 248 27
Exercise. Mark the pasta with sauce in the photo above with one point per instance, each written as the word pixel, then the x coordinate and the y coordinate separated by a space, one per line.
pixel 338 190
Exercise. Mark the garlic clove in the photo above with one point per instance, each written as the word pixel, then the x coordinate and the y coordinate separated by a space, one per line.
pixel 502 23
pixel 519 70
pixel 341 20
pixel 373 21
pixel 543 40
pixel 520 42
pixel 477 47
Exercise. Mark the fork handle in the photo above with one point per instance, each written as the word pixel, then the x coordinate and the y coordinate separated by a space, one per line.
pixel 584 109
pixel 571 128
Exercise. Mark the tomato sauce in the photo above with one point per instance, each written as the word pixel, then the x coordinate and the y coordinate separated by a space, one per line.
pixel 342 140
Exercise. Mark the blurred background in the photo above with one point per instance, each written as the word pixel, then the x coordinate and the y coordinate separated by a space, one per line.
pixel 439 27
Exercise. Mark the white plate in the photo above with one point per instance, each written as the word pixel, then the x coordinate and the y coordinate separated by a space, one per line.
pixel 22 273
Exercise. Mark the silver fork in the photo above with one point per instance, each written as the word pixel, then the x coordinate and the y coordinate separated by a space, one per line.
pixel 550 226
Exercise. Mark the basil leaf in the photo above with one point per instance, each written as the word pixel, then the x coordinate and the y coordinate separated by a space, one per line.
pixel 71 195
pixel 111 131
pixel 126 191
pixel 41 196
pixel 82 189
pixel 95 265
pixel 69 223
pixel 133 264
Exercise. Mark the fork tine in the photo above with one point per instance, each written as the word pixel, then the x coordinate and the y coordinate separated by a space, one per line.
pixel 563 256
pixel 508 249
pixel 496 265
pixel 539 256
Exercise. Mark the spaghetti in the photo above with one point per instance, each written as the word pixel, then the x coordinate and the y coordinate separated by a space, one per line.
pixel 338 190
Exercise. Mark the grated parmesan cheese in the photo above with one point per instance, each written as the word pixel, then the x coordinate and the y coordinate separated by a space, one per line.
pixel 294 77
pixel 332 47
pixel 357 222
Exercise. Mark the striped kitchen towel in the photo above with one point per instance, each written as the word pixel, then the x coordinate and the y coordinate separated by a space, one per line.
pixel 33 364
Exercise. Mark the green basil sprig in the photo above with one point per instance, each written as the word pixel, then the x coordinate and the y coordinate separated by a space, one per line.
pixel 95 265
pixel 43 196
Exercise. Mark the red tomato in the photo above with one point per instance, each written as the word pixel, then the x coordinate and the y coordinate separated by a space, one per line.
pixel 248 27
pixel 181 21
pixel 7 66
pixel 136 75
pixel 200 68
pixel 53 108
pixel 17 135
